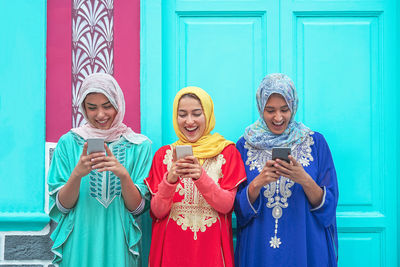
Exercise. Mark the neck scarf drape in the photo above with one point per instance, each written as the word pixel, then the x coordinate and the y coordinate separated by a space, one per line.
pixel 209 145
pixel 105 84
pixel 258 134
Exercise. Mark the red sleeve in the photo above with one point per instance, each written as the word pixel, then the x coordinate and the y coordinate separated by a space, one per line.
pixel 157 171
pixel 162 192
pixel 222 196
pixel 220 199
pixel 233 170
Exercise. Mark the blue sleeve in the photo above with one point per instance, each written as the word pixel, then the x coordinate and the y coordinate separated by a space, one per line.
pixel 244 210
pixel 327 180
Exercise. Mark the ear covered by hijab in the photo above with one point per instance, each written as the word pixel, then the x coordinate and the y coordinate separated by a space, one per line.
pixel 105 84
pixel 258 134
pixel 209 145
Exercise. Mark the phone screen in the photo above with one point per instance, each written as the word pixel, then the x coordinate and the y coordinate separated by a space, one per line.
pixel 183 151
pixel 281 153
pixel 95 145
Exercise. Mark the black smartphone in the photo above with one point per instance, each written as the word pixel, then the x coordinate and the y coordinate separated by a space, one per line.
pixel 281 153
pixel 95 145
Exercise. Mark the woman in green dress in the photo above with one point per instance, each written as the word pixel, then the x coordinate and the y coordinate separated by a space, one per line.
pixel 95 198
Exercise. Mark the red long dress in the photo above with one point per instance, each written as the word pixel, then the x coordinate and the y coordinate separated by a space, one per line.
pixel 193 232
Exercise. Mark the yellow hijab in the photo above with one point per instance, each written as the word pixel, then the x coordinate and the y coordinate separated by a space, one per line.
pixel 208 145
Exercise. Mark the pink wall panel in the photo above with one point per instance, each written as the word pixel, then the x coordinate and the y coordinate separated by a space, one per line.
pixel 127 57
pixel 126 50
pixel 58 73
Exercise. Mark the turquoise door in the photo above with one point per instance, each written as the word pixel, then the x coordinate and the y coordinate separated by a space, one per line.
pixel 342 57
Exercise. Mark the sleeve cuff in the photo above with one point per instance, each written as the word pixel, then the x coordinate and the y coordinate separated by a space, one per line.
pixel 165 189
pixel 255 202
pixel 322 202
pixel 61 207
pixel 168 184
pixel 139 208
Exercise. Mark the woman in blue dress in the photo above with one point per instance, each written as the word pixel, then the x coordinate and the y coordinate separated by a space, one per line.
pixel 286 212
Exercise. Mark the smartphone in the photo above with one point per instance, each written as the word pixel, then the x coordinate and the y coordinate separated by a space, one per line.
pixel 281 153
pixel 183 151
pixel 95 145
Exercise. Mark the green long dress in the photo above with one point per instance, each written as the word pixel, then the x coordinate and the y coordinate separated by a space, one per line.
pixel 99 230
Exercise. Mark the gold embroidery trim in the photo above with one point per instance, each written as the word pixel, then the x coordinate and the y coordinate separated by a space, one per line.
pixel 193 211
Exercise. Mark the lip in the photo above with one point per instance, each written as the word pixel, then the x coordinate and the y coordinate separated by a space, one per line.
pixel 102 123
pixel 279 124
pixel 278 128
pixel 192 132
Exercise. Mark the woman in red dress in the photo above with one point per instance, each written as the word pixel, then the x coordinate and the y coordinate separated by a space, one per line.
pixel 192 198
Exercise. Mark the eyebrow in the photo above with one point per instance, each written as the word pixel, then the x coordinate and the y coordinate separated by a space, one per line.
pixel 194 110
pixel 108 102
pixel 270 107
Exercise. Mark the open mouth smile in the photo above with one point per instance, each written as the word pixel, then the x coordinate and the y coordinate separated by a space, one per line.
pixel 191 129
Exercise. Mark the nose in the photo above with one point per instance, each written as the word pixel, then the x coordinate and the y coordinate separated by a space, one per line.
pixel 100 113
pixel 278 116
pixel 189 120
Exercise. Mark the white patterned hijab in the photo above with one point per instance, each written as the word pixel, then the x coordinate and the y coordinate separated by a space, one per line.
pixel 258 134
pixel 105 84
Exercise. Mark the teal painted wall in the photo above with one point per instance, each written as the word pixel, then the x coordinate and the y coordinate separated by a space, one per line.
pixel 22 113
pixel 342 56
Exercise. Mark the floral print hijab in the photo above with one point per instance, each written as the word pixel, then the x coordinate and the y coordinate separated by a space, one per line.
pixel 258 135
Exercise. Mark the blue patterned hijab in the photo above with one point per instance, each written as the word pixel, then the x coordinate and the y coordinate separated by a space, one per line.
pixel 258 135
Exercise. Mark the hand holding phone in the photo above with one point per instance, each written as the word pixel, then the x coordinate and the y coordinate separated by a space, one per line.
pixel 95 145
pixel 281 153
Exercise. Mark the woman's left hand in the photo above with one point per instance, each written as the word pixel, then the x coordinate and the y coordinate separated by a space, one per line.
pixel 110 163
pixel 293 170
pixel 189 167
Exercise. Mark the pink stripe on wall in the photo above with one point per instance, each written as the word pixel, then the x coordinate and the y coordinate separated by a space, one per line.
pixel 127 57
pixel 59 60
pixel 58 73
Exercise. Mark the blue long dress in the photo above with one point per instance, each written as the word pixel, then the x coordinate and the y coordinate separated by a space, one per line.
pixel 281 228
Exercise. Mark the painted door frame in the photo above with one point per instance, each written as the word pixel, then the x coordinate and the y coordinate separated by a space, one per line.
pixel 151 110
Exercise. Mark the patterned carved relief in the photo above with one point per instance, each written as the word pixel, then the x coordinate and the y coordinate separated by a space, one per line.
pixel 92 45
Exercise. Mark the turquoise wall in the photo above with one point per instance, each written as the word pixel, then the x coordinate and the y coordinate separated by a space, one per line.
pixel 342 56
pixel 22 109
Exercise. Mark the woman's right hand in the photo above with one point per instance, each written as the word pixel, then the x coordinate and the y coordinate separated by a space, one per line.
pixel 173 175
pixel 266 176
pixel 68 194
pixel 85 163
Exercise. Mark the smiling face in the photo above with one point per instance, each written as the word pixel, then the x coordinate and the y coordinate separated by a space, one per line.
pixel 99 111
pixel 191 119
pixel 277 114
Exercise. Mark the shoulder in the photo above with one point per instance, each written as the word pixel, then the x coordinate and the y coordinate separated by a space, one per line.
pixel 229 149
pixel 320 147
pixel 240 143
pixel 319 139
pixel 146 144
pixel 162 151
pixel 70 138
pixel 230 152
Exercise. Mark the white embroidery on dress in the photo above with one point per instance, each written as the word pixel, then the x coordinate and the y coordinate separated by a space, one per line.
pixel 105 186
pixel 193 211
pixel 277 193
